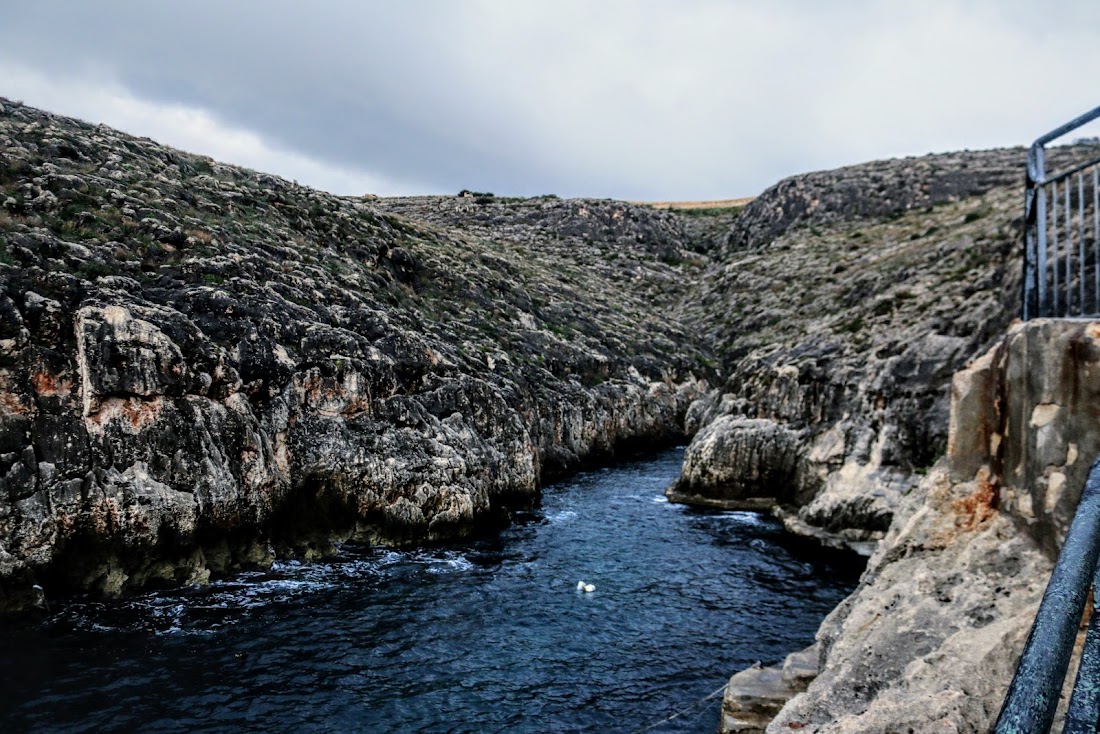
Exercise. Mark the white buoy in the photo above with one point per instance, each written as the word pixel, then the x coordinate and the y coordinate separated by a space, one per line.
pixel 587 588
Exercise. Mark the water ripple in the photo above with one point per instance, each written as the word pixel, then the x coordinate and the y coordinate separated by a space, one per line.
pixel 483 637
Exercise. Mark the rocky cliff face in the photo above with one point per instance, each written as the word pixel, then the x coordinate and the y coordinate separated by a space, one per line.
pixel 930 639
pixel 201 365
pixel 840 305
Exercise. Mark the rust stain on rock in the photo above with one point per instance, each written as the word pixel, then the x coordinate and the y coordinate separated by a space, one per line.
pixel 105 516
pixel 980 505
pixel 49 385
pixel 13 404
pixel 135 413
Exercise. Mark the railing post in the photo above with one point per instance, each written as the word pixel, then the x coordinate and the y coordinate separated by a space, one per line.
pixel 1038 299
pixel 1032 698
pixel 1041 245
pixel 1035 251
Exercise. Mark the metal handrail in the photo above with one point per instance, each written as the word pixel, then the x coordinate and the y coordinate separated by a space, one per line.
pixel 1032 699
pixel 1059 177
pixel 1048 290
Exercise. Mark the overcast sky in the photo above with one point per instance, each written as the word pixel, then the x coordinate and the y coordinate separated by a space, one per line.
pixel 635 99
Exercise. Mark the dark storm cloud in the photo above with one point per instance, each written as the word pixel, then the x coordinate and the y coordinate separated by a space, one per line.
pixel 349 87
pixel 638 99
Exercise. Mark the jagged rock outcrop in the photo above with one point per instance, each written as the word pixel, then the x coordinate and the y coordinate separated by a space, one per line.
pixel 1027 410
pixel 756 695
pixel 840 307
pixel 930 639
pixel 201 365
pixel 751 462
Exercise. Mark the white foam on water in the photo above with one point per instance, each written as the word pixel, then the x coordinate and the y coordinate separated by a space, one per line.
pixel 443 561
pixel 391 557
pixel 561 516
pixel 741 517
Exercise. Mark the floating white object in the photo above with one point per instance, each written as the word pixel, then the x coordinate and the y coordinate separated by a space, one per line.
pixel 581 586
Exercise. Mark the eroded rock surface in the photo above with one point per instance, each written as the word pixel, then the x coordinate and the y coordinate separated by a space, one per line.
pixel 930 639
pixel 741 463
pixel 754 696
pixel 840 307
pixel 201 365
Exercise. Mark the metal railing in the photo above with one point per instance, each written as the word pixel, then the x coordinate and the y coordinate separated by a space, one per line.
pixel 1032 700
pixel 1062 239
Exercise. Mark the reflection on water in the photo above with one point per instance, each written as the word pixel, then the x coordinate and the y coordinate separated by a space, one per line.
pixel 485 636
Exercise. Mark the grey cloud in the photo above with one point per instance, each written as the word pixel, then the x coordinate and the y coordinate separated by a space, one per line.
pixel 345 91
pixel 638 99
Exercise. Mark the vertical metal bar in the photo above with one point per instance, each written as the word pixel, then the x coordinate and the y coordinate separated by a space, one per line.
pixel 1084 703
pixel 1069 250
pixel 1041 247
pixel 1030 225
pixel 1096 236
pixel 1054 292
pixel 1036 178
pixel 1028 291
pixel 1081 244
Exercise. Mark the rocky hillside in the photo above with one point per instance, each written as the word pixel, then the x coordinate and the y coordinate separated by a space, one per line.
pixel 930 640
pixel 839 306
pixel 201 365
pixel 873 190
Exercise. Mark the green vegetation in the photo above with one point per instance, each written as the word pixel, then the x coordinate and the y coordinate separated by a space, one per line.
pixel 722 211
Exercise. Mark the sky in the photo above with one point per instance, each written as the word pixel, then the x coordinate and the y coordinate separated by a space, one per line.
pixel 630 99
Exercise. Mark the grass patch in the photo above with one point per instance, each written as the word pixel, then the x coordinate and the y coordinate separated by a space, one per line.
pixel 974 216
pixel 851 326
pixel 711 211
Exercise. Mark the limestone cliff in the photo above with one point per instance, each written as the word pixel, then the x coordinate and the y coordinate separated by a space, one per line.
pixel 930 639
pixel 839 307
pixel 201 365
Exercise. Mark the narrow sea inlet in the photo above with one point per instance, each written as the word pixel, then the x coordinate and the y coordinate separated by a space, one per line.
pixel 489 636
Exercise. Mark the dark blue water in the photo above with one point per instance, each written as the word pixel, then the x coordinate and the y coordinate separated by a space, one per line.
pixel 484 637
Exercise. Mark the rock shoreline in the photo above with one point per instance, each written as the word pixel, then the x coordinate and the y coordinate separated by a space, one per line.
pixel 839 307
pixel 202 366
pixel 930 638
